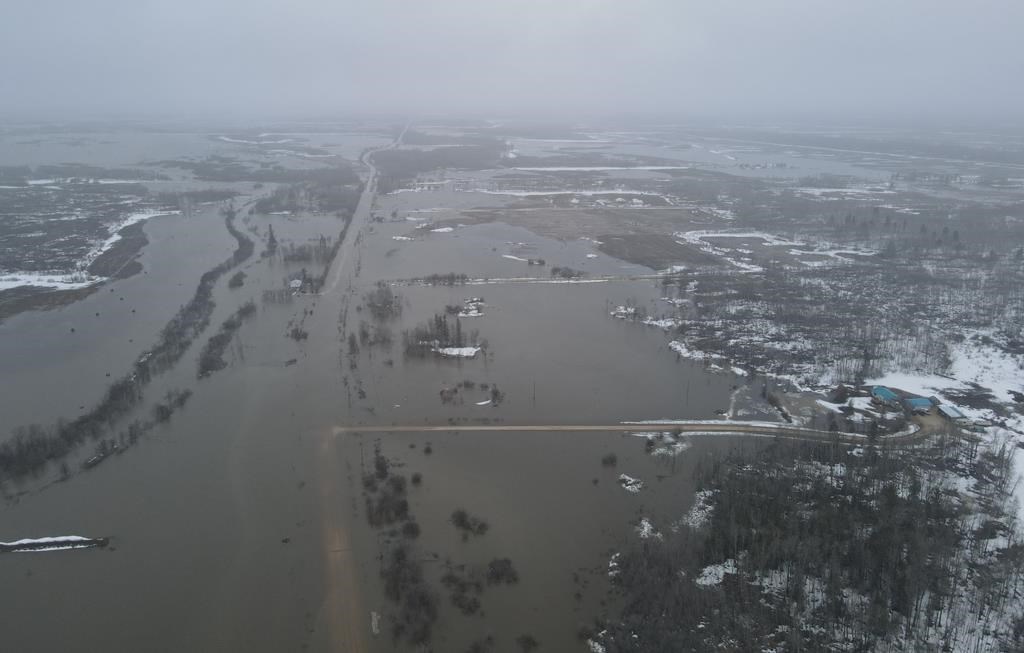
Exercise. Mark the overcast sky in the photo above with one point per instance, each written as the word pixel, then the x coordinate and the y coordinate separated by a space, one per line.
pixel 743 58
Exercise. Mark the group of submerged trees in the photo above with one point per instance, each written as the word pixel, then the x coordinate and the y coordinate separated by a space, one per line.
pixel 405 583
pixel 211 358
pixel 437 333
pixel 387 506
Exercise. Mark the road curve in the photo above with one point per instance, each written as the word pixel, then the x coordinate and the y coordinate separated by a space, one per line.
pixel 362 213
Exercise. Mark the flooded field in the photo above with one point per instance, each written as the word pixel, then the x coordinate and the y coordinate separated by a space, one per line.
pixel 285 500
pixel 57 363
pixel 248 507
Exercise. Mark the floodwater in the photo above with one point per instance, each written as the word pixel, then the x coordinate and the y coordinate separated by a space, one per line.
pixel 553 510
pixel 732 156
pixel 128 148
pixel 239 525
pixel 56 362
pixel 552 348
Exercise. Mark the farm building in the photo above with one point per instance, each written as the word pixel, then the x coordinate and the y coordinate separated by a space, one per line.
pixel 883 395
pixel 920 405
pixel 951 413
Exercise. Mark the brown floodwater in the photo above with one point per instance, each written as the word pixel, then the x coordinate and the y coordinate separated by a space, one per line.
pixel 55 363
pixel 240 524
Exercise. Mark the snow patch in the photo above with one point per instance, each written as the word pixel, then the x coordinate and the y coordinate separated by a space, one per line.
pixel 613 565
pixel 630 484
pixel 714 574
pixel 700 512
pixel 457 352
pixel 645 530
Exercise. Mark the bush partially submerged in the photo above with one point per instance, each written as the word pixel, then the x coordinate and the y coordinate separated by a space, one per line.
pixel 500 571
pixel 468 524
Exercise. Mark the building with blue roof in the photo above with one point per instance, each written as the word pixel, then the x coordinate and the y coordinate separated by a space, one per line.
pixel 885 396
pixel 921 405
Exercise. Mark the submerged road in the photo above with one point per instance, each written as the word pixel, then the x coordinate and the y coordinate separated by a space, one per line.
pixel 346 620
pixel 361 215
pixel 757 429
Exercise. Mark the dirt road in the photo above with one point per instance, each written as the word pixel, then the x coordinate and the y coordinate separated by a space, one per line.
pixel 757 429
pixel 346 619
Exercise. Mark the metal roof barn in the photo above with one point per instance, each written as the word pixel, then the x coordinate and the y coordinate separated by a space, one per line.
pixel 950 412
pixel 884 393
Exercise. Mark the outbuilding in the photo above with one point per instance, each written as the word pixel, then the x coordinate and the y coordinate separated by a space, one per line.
pixel 951 413
pixel 883 395
pixel 919 405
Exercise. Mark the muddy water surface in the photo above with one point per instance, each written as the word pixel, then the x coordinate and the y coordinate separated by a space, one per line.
pixel 240 525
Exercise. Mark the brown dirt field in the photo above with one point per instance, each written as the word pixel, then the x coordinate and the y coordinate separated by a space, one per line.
pixel 569 224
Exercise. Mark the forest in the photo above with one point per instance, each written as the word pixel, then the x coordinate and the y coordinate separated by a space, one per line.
pixel 825 547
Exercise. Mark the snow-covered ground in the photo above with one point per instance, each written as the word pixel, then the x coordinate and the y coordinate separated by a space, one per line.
pixel 972 363
pixel 700 513
pixel 613 565
pixel 472 307
pixel 840 193
pixel 457 352
pixel 79 278
pixel 741 257
pixel 58 543
pixel 664 443
pixel 59 280
pixel 630 313
pixel 715 574
pixel 645 530
pixel 630 484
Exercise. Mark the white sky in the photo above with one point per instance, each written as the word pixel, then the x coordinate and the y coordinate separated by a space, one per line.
pixel 749 58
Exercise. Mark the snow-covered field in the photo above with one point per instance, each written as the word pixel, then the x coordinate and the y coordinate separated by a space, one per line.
pixel 457 352
pixel 60 280
pixel 57 543
pixel 79 278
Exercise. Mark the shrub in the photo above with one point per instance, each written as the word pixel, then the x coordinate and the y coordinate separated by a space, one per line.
pixel 411 530
pixel 501 571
